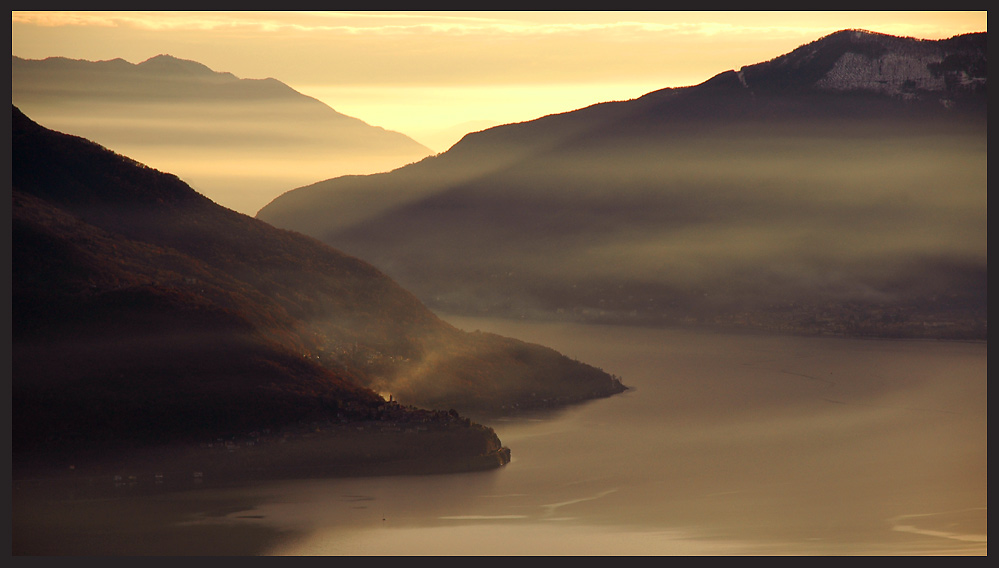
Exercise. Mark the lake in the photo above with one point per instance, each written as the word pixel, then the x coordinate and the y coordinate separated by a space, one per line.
pixel 726 444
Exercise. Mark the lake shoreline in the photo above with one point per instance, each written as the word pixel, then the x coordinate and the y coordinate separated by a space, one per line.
pixel 328 451
pixel 724 444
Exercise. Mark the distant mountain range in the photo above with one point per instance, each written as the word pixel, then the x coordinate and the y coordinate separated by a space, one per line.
pixel 144 312
pixel 238 141
pixel 840 188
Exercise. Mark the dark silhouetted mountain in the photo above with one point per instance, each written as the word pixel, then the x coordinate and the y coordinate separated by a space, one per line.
pixel 840 188
pixel 143 311
pixel 239 141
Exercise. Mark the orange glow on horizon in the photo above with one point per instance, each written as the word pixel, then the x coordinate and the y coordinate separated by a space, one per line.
pixel 424 72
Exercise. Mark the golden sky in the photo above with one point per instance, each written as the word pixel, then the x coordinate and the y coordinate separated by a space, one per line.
pixel 421 72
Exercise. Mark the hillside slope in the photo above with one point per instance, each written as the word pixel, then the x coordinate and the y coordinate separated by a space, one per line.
pixel 142 310
pixel 840 188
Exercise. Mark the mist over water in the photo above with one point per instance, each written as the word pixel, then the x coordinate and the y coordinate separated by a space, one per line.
pixel 241 142
pixel 726 444
pixel 237 162
pixel 836 222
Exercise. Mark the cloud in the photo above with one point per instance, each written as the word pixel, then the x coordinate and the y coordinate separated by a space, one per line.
pixel 610 25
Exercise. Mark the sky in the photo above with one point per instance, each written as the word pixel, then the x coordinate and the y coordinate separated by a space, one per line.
pixel 424 73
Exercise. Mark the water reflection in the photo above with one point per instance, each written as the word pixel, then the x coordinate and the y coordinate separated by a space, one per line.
pixel 726 445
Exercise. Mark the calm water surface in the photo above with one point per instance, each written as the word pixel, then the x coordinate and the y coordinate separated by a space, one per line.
pixel 727 444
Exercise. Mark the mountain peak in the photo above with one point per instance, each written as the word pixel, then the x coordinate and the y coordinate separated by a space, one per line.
pixel 864 61
pixel 168 64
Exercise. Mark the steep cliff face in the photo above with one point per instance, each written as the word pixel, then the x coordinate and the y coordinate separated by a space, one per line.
pixel 857 60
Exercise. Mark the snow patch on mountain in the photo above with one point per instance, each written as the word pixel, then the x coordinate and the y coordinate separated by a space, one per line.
pixel 891 73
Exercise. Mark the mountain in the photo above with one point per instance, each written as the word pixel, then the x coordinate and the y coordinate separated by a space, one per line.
pixel 145 313
pixel 238 141
pixel 840 188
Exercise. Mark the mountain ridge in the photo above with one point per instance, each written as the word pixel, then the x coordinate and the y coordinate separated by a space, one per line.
pixel 236 140
pixel 637 195
pixel 492 146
